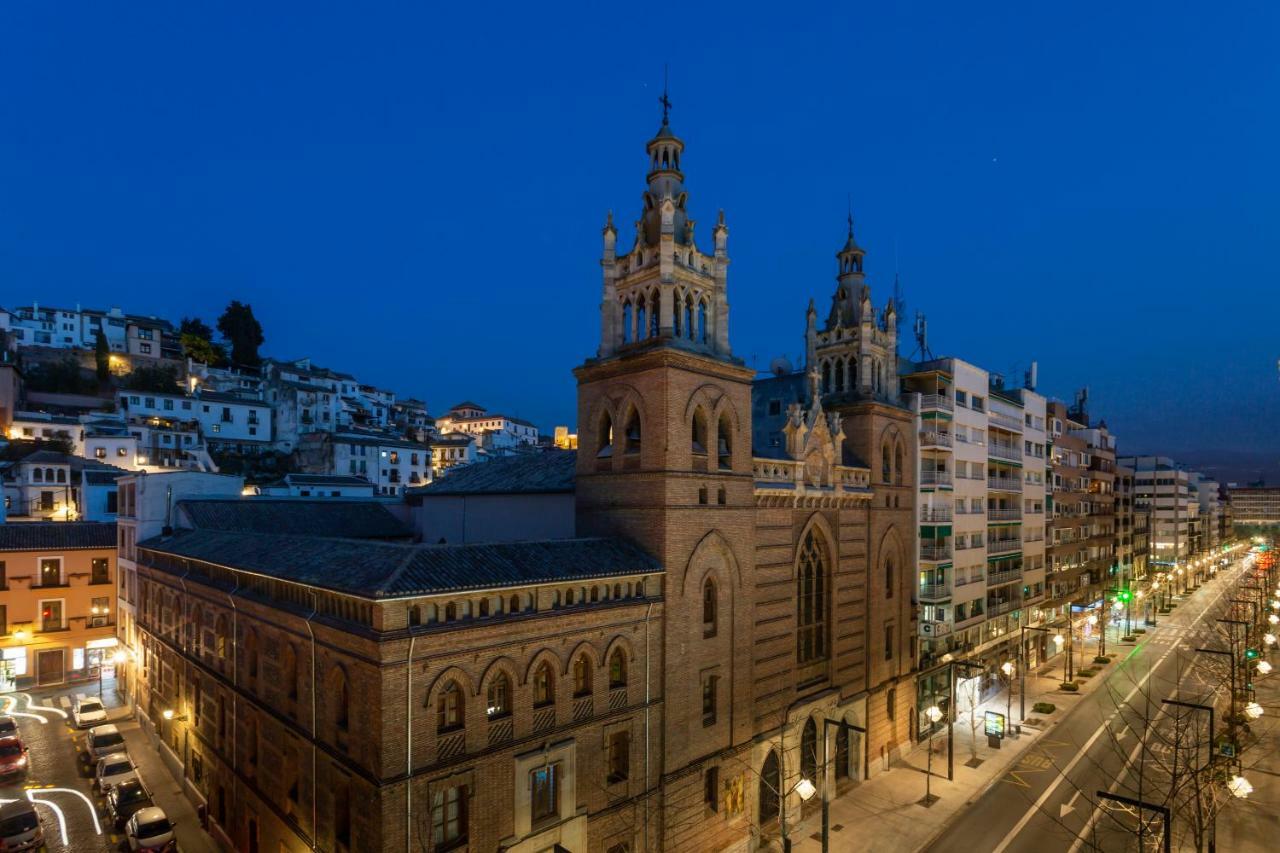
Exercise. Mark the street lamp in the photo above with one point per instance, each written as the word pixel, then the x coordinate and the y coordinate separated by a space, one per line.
pixel 827 722
pixel 933 713
pixel 1007 669
pixel 1022 670
pixel 1264 668
pixel 1240 787
pixel 1253 710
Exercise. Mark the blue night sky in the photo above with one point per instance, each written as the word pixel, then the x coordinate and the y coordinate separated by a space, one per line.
pixel 416 194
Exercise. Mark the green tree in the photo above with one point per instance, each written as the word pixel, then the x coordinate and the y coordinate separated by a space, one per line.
pixel 242 330
pixel 160 379
pixel 195 326
pixel 204 351
pixel 102 356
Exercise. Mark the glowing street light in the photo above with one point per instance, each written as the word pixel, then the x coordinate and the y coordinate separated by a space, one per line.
pixel 1264 668
pixel 167 713
pixel 1253 710
pixel 1269 639
pixel 1274 619
pixel 806 789
pixel 933 713
pixel 1240 787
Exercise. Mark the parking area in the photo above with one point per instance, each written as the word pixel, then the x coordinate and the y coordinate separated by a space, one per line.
pixel 59 782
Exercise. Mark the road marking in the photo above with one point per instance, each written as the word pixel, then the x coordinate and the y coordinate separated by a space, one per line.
pixel 32 706
pixel 65 703
pixel 1111 789
pixel 93 812
pixel 1070 806
pixel 1053 786
pixel 62 820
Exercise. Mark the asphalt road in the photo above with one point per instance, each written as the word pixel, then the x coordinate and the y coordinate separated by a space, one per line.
pixel 1047 800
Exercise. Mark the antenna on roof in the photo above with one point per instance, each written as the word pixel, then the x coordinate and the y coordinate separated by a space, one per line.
pixel 921 332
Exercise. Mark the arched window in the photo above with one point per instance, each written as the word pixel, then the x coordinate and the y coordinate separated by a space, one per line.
pixel 513 606
pixel 617 669
pixel 617 590
pixel 604 438
pixel 632 432
pixel 289 670
pixel 449 708
pixel 484 607
pixel 688 316
pixel 568 598
pixel 37 475
pixel 220 637
pixel 724 441
pixel 811 598
pixel 415 615
pixel 709 608
pixel 809 751
pixel 886 472
pixel 839 375
pixel 544 686
pixel 595 593
pixel 826 377
pixel 62 475
pixel 654 303
pixel 251 655
pixel 891 704
pixel 702 322
pixel 499 696
pixel 770 786
pixel 451 611
pixel 341 700
pixel 197 630
pixel 582 676
pixel 890 577
pixel 678 316
pixel 642 318
pixel 699 438
pixel 628 331
pixel 897 464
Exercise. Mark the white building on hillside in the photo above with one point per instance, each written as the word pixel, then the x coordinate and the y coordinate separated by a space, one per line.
pixel 473 419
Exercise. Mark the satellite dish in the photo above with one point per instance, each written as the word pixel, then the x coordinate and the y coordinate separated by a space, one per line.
pixel 780 366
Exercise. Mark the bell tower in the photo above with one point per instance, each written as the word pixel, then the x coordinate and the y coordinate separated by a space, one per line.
pixel 664 452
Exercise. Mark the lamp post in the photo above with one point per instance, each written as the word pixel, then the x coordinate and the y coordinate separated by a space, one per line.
pixel 1007 669
pixel 1022 670
pixel 826 796
pixel 1140 805
pixel 1213 820
pixel 933 713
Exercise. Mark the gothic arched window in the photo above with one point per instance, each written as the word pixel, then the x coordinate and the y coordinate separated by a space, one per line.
pixel 604 437
pixel 811 598
pixel 702 322
pixel 628 330
pixel 449 708
pixel 632 433
pixel 654 303
pixel 582 676
pixel 544 686
pixel 842 753
pixel 839 375
pixel 770 787
pixel 826 377
pixel 897 464
pixel 724 441
pixel 617 669
pixel 886 472
pixel 889 577
pixel 642 318
pixel 699 444
pixel 499 697
pixel 809 751
pixel 688 316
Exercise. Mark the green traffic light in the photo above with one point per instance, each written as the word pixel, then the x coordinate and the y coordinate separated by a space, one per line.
pixel 1251 653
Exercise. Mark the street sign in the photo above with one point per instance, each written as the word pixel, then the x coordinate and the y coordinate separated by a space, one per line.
pixel 1227 749
pixel 994 724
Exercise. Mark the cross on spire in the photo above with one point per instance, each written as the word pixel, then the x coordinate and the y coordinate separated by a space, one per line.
pixel 664 100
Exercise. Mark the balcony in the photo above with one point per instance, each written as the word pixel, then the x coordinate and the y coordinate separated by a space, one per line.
pixel 997 514
pixel 935 478
pixel 935 514
pixel 934 591
pixel 1009 423
pixel 1005 545
pixel 1000 450
pixel 936 401
pixel 1006 576
pixel 1004 484
pixel 1002 607
pixel 935 551
pixel 930 438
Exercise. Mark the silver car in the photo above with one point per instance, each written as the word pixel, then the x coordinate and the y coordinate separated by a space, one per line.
pixel 113 770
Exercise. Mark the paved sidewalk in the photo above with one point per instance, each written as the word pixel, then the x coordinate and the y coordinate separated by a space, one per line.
pixel 883 814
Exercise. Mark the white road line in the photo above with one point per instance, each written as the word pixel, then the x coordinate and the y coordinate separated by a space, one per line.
pixel 10 704
pixel 1111 789
pixel 62 820
pixel 65 702
pixel 32 706
pixel 93 812
pixel 1053 786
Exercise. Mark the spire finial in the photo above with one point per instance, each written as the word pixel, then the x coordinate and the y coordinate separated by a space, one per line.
pixel 664 100
pixel 849 199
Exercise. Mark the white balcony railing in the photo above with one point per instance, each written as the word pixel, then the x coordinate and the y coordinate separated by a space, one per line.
pixel 935 551
pixel 934 591
pixel 994 514
pixel 1007 484
pixel 1005 545
pixel 936 401
pixel 931 438
pixel 1000 450
pixel 1005 421
pixel 935 514
pixel 935 478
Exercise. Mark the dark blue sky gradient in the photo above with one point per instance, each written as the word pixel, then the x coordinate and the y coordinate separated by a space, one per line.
pixel 415 193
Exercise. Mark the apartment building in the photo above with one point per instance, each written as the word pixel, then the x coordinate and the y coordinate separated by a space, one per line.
pixel 57 602
pixel 1207 533
pixel 223 418
pixel 494 430
pixel 1132 533
pixel 1163 489
pixel 49 485
pixel 389 463
pixel 66 328
pixel 981 515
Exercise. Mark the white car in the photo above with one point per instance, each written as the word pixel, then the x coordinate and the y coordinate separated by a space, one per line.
pixel 89 712
pixel 149 829
pixel 113 770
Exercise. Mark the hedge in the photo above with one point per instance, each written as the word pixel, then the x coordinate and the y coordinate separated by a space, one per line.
pixel 1044 707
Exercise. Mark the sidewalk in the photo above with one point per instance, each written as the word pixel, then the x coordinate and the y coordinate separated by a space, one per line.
pixel 883 814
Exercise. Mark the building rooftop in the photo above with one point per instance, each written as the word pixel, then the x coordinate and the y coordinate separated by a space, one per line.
pixel 381 570
pixel 328 517
pixel 57 535
pixel 552 471
pixel 325 480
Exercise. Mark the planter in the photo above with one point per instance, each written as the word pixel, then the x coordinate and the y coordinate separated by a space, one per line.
pixel 1069 687
pixel 1044 707
pixel 1102 659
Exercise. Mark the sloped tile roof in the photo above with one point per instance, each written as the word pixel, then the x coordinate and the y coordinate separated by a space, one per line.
pixel 389 570
pixel 56 535
pixel 327 517
pixel 529 473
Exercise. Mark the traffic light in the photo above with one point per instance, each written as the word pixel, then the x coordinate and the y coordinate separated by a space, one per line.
pixel 1251 654
pixel 1124 595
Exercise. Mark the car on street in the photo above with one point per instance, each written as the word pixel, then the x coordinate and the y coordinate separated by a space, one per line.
pixel 150 831
pixel 20 826
pixel 126 799
pixel 13 756
pixel 100 742
pixel 88 712
pixel 112 770
pixel 8 726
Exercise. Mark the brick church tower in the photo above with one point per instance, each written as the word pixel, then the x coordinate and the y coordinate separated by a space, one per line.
pixel 665 459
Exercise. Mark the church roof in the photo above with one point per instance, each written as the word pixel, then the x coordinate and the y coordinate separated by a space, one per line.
pixel 326 517
pixel 547 472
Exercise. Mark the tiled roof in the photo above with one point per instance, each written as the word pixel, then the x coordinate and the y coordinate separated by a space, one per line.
pixel 56 535
pixel 325 480
pixel 531 473
pixel 467 404
pixel 388 570
pixel 331 517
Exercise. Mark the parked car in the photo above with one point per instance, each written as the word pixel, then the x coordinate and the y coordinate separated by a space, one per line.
pixel 113 769
pixel 13 756
pixel 20 826
pixel 126 799
pixel 101 742
pixel 88 712
pixel 8 726
pixel 150 831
